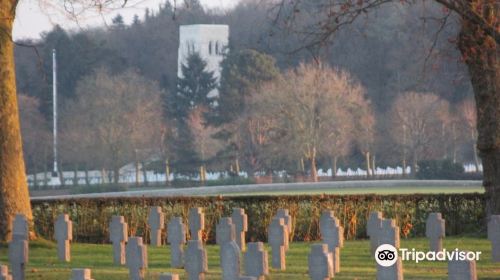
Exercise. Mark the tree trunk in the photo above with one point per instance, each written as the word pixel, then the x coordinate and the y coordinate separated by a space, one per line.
pixel 237 164
pixel 167 172
pixel 373 166
pixel 367 160
pixel 474 150
pixel 334 167
pixel 314 170
pixel 75 176
pixel 481 53
pixel 116 175
pixel 14 196
pixel 144 174
pixel 87 181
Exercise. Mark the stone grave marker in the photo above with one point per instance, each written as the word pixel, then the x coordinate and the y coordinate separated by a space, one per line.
pixel 196 223
pixel 394 272
pixel 277 238
pixel 435 231
pixel 20 227
pixel 4 273
pixel 372 228
pixel 18 257
pixel 81 274
pixel 176 236
pixel 256 260
pixel 494 237
pixel 332 232
pixel 224 231
pixel 388 233
pixel 156 221
pixel 284 213
pixel 169 276
pixel 63 231
pixel 240 221
pixel 196 262
pixel 137 258
pixel 320 262
pixel 18 247
pixel 462 270
pixel 230 260
pixel 118 234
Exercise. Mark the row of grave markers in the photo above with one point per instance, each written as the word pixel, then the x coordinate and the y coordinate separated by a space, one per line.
pixel 324 259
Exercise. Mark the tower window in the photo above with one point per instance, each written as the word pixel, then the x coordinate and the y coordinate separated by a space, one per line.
pixel 217 48
pixel 210 48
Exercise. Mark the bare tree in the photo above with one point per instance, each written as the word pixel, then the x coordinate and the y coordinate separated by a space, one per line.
pixel 120 115
pixel 467 111
pixel 206 146
pixel 416 123
pixel 477 41
pixel 36 135
pixel 310 105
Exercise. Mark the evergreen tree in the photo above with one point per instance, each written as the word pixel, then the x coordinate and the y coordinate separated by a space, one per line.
pixel 193 87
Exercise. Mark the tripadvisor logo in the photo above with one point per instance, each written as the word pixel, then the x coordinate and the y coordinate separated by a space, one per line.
pixel 387 255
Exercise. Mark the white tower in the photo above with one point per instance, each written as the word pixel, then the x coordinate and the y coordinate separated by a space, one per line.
pixel 210 41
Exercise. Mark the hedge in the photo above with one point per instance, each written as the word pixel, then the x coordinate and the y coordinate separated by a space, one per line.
pixel 464 213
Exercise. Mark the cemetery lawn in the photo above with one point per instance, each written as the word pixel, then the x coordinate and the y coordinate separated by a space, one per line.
pixel 356 262
pixel 370 190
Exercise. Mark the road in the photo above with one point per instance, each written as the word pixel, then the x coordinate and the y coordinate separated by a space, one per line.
pixel 341 187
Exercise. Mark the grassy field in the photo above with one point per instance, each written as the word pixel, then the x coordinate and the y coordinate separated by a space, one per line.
pixel 372 190
pixel 356 262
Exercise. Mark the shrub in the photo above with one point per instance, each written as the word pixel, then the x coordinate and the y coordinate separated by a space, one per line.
pixel 440 169
pixel 464 213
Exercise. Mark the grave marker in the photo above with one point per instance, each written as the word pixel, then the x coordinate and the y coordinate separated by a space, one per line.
pixel 256 260
pixel 176 236
pixel 63 231
pixel 277 238
pixel 18 257
pixel 224 231
pixel 494 237
pixel 462 270
pixel 435 231
pixel 230 260
pixel 372 228
pixel 118 234
pixel 196 223
pixel 137 258
pixel 240 221
pixel 4 273
pixel 20 227
pixel 81 274
pixel 156 221
pixel 332 232
pixel 169 276
pixel 196 262
pixel 18 247
pixel 320 262
pixel 394 272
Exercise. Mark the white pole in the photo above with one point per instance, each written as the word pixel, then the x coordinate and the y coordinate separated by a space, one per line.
pixel 54 99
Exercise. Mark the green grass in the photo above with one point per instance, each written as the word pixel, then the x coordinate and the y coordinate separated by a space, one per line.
pixel 356 261
pixel 371 190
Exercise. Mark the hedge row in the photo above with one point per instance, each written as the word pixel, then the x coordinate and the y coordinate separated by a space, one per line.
pixel 464 213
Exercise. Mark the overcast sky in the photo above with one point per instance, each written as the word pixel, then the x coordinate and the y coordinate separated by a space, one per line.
pixel 36 16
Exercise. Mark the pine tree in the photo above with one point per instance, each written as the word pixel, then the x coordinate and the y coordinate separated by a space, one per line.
pixel 193 87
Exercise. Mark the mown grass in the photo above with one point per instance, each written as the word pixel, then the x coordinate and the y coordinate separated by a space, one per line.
pixel 356 262
pixel 370 190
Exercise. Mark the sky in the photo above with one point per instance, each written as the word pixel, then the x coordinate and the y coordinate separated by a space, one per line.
pixel 36 16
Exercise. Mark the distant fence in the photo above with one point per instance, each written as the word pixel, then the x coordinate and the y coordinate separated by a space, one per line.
pixel 464 213
pixel 96 177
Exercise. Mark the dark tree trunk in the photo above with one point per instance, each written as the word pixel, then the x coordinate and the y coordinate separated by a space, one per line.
pixel 481 53
pixel 14 196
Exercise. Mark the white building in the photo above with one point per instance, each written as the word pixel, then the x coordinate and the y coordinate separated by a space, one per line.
pixel 210 41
